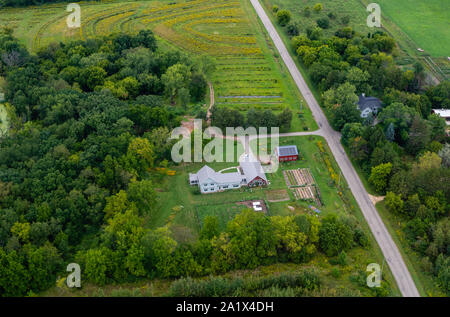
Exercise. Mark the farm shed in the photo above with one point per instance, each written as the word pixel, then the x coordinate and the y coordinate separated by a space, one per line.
pixel 286 153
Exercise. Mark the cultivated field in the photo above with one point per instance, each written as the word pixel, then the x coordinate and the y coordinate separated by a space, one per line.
pixel 421 24
pixel 249 73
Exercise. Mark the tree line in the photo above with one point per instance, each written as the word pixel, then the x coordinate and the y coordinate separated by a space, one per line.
pixel 223 117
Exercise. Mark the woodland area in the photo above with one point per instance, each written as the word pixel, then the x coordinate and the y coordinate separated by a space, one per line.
pixel 91 122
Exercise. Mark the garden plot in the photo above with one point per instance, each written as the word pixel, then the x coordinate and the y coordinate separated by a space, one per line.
pixel 298 177
pixel 310 192
pixel 302 184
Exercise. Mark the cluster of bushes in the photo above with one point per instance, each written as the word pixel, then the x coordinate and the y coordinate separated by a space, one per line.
pixel 407 153
pixel 284 18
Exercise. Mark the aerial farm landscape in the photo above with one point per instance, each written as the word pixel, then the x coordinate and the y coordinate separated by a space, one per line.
pixel 214 148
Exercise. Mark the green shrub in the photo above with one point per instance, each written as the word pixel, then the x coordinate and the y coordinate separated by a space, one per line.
pixel 307 11
pixel 342 258
pixel 283 17
pixel 318 7
pixel 335 272
pixel 323 23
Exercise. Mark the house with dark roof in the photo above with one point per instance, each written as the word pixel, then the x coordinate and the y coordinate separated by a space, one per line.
pixel 368 105
pixel 249 174
pixel 286 153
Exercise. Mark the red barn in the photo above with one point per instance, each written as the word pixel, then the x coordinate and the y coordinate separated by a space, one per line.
pixel 286 153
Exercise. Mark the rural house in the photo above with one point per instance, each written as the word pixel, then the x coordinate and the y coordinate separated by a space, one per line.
pixel 286 153
pixel 443 113
pixel 249 174
pixel 368 105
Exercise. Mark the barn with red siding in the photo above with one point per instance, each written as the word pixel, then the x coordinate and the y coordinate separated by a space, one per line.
pixel 286 153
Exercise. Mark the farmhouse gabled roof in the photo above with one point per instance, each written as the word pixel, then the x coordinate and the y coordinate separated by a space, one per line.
pixel 207 172
pixel 252 170
pixel 287 150
pixel 204 173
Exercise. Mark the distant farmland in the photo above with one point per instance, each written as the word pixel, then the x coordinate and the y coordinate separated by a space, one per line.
pixel 425 22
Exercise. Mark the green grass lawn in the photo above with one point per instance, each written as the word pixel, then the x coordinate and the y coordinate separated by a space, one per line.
pixel 425 22
pixel 310 158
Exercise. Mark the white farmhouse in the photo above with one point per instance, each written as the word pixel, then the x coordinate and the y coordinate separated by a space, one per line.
pixel 249 174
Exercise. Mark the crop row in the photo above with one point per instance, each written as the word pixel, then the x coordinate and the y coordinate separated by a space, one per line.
pixel 182 16
pixel 217 37
pixel 195 45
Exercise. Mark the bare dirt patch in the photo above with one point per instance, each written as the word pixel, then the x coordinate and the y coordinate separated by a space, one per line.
pixel 376 199
pixel 277 195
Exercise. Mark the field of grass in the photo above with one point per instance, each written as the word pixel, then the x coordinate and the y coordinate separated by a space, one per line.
pixel 224 213
pixel 184 205
pixel 249 72
pixel 425 22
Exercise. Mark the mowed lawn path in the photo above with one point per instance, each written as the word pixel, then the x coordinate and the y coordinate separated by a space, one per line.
pixel 427 23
